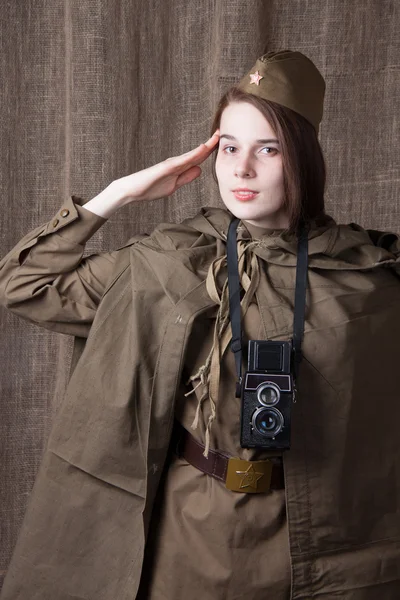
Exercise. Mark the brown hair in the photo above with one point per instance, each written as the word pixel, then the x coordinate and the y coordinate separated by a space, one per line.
pixel 304 172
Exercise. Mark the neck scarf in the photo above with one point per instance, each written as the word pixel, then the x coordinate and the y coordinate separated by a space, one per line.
pixel 209 373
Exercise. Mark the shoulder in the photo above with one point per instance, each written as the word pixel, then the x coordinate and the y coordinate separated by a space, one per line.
pixel 382 239
pixel 387 240
pixel 204 228
pixel 171 247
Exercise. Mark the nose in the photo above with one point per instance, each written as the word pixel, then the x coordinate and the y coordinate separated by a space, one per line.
pixel 243 168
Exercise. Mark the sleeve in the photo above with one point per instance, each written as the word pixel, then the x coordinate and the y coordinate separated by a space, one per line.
pixel 44 279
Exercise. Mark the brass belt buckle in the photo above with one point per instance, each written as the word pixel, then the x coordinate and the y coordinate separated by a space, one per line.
pixel 248 476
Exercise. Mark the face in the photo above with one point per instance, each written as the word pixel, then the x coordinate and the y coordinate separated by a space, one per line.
pixel 249 157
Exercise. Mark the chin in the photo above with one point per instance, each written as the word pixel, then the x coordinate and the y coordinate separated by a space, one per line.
pixel 257 218
pixel 245 211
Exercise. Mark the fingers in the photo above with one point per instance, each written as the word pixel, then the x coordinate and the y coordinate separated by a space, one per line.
pixel 188 176
pixel 203 150
pixel 193 157
pixel 210 143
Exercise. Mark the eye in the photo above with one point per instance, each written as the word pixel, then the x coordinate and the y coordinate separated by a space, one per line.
pixel 270 148
pixel 227 148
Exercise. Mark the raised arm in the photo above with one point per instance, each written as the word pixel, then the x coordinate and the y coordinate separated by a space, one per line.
pixel 44 278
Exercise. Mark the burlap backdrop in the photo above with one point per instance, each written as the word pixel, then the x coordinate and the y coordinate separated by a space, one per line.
pixel 94 90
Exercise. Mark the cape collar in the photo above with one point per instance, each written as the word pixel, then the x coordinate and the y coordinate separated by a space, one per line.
pixel 330 245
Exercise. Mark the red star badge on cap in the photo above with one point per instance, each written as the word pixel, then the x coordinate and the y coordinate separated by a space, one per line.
pixel 255 78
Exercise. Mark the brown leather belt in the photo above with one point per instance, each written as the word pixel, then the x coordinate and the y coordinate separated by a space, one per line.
pixel 239 475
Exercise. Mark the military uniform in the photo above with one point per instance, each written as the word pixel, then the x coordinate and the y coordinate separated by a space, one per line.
pixel 113 508
pixel 92 504
pixel 246 534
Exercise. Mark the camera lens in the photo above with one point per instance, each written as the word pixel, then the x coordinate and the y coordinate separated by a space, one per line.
pixel 268 394
pixel 268 421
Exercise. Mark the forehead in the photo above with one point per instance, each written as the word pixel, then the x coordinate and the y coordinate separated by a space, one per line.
pixel 243 120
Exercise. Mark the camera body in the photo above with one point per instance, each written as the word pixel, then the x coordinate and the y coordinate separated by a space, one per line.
pixel 267 393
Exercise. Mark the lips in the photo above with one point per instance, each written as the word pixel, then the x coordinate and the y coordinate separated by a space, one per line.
pixel 244 194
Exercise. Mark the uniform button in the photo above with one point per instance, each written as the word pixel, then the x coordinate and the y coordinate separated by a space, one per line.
pixel 55 222
pixel 64 212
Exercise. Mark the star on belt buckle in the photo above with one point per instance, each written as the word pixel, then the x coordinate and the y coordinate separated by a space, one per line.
pixel 251 477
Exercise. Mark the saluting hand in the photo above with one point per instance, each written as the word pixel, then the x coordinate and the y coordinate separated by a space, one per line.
pixel 164 178
pixel 158 181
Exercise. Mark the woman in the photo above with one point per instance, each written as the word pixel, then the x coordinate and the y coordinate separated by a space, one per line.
pixel 114 514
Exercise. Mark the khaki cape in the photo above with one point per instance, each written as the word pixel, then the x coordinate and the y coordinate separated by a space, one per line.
pixel 132 312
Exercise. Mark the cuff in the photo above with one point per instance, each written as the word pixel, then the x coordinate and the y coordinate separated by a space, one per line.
pixel 73 222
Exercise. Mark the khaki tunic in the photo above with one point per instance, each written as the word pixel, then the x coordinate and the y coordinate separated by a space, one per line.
pixel 205 540
pixel 85 529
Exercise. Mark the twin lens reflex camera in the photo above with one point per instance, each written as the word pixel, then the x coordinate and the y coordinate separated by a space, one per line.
pixel 268 391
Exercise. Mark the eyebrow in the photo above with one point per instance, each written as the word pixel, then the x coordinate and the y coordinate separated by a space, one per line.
pixel 231 137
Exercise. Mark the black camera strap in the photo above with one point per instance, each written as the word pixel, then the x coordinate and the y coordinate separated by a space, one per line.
pixel 234 298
